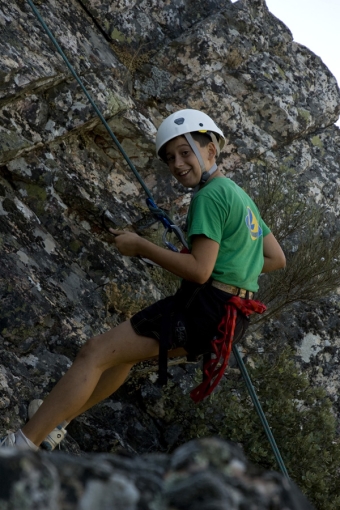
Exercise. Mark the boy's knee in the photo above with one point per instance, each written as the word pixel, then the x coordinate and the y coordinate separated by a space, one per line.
pixel 88 349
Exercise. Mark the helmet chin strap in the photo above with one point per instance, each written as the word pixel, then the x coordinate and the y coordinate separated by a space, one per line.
pixel 205 173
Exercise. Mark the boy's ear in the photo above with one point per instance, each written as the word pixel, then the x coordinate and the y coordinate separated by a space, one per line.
pixel 212 149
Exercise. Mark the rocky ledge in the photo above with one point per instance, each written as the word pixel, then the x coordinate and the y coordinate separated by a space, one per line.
pixel 206 474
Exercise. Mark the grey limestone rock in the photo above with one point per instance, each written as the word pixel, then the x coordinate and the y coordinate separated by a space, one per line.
pixel 61 280
pixel 207 474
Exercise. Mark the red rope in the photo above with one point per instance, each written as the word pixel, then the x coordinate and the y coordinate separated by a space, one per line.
pixel 222 345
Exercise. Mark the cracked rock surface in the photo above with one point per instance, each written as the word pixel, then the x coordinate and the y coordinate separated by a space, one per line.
pixel 61 280
pixel 203 474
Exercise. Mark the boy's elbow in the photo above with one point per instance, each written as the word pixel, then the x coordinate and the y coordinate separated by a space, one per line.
pixel 281 263
pixel 202 277
pixel 274 263
pixel 283 260
pixel 274 254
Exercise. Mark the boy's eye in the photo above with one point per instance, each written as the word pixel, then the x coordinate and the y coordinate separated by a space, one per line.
pixel 171 157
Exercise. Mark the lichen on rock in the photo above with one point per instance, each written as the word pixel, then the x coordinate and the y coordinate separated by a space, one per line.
pixel 61 280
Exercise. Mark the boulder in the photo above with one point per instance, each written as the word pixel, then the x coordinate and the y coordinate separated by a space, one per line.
pixel 204 474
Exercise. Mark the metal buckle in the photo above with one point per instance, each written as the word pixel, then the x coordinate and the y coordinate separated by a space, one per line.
pixel 178 233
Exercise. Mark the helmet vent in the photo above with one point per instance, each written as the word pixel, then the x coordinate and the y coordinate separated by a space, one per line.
pixel 179 121
pixel 201 124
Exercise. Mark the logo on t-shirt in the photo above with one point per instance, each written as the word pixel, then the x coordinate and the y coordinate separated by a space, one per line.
pixel 253 225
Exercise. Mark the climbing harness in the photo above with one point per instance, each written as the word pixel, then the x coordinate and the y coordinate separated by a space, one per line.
pixel 222 348
pixel 157 213
pixel 222 345
pixel 206 126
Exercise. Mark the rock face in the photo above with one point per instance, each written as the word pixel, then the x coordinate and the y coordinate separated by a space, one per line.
pixel 61 281
pixel 202 475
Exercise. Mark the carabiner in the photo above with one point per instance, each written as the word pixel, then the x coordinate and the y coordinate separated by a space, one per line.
pixel 158 213
pixel 169 245
pixel 179 234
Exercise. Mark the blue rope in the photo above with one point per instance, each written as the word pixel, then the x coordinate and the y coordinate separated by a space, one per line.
pixel 259 411
pixel 167 222
pixel 157 212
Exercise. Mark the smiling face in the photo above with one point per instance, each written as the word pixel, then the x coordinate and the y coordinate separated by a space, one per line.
pixel 183 163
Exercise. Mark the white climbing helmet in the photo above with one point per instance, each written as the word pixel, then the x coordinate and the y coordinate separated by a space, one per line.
pixel 185 122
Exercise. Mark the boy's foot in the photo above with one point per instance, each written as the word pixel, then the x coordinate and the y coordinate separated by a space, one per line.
pixel 56 436
pixel 8 441
pixel 17 440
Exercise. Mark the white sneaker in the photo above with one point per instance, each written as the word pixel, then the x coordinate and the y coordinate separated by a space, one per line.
pixel 56 436
pixel 8 441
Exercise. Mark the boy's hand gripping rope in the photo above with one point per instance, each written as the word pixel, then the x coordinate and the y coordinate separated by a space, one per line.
pixel 168 224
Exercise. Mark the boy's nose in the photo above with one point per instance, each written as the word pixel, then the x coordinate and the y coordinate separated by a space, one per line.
pixel 178 161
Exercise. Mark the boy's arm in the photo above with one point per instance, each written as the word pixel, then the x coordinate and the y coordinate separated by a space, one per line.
pixel 274 258
pixel 196 266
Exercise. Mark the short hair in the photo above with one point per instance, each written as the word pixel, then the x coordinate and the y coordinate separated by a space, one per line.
pixel 202 138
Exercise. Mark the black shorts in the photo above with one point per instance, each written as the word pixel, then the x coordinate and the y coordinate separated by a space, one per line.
pixel 190 318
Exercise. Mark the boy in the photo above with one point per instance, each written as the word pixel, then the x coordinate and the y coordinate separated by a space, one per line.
pixel 229 245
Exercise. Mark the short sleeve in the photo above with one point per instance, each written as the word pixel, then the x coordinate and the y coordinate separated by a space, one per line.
pixel 265 229
pixel 206 217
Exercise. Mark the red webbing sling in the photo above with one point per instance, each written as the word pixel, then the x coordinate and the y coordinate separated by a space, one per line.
pixel 222 345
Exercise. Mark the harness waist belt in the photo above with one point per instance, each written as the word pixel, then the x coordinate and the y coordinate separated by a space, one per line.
pixel 231 289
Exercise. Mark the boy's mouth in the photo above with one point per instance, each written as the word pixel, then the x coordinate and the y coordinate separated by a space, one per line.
pixel 182 174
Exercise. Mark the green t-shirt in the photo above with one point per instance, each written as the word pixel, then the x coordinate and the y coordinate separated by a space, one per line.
pixel 223 212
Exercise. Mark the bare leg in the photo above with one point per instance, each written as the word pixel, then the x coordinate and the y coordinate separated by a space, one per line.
pixel 120 346
pixel 109 382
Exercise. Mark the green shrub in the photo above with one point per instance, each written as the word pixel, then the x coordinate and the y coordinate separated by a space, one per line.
pixel 306 230
pixel 299 415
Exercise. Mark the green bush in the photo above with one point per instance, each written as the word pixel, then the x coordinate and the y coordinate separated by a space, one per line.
pixel 306 230
pixel 299 415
